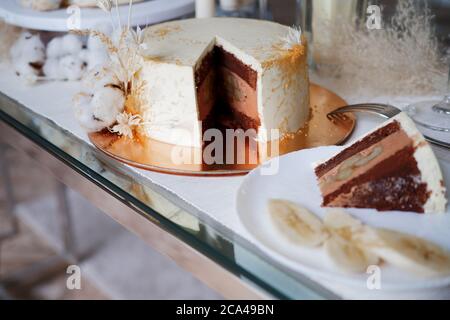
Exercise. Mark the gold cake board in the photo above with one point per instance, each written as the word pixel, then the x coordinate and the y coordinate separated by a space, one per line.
pixel 155 155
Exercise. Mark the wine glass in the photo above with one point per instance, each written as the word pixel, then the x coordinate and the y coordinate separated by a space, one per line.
pixel 434 115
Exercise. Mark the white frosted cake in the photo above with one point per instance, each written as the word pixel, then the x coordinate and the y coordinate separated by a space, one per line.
pixel 222 73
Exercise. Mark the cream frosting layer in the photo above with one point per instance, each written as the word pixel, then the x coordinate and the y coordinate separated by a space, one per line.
pixel 428 165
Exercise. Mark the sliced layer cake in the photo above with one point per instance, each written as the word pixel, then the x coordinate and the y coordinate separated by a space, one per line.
pixel 391 168
pixel 222 73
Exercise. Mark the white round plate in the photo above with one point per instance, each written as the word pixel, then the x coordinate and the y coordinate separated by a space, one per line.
pixel 147 12
pixel 295 181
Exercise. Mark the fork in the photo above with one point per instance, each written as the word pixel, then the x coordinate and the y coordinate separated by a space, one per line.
pixel 384 110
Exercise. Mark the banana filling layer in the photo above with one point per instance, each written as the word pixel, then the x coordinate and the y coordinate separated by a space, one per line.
pixel 363 161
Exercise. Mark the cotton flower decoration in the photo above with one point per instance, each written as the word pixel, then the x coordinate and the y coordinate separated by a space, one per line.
pixel 108 85
pixel 60 60
pixel 293 38
pixel 28 56
pixel 84 115
pixel 106 104
pixel 99 77
pixel 71 68
pixel 126 122
pixel 64 59
pixel 98 110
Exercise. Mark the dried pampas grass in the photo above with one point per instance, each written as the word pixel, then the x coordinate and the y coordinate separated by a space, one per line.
pixel 402 58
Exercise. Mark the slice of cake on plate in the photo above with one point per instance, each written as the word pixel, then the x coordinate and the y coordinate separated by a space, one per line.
pixel 390 168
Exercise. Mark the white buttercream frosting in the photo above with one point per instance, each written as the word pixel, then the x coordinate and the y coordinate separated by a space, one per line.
pixel 428 165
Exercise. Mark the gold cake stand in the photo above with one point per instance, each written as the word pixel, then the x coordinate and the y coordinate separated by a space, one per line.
pixel 155 155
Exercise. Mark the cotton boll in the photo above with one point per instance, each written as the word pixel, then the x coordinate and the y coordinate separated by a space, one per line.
pixel 72 44
pixel 84 55
pixel 98 78
pixel 97 58
pixel 55 48
pixel 28 56
pixel 17 48
pixel 28 48
pixel 34 50
pixel 106 104
pixel 82 99
pixel 94 58
pixel 67 45
pixel 84 115
pixel 52 69
pixel 24 70
pixel 71 67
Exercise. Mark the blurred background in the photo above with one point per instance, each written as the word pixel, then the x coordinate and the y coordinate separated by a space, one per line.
pixel 35 209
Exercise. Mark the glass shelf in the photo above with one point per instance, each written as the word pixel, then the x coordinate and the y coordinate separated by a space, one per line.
pixel 169 212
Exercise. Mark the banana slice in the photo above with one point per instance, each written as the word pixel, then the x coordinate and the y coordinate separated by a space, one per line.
pixel 337 219
pixel 353 246
pixel 339 222
pixel 347 255
pixel 411 253
pixel 296 223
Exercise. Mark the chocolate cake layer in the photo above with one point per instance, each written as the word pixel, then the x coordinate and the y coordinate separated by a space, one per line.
pixel 235 65
pixel 222 118
pixel 226 94
pixel 219 57
pixel 206 95
pixel 236 120
pixel 399 174
pixel 373 138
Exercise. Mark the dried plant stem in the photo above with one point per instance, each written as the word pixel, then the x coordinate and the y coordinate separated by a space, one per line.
pixel 118 14
pixel 130 12
pixel 103 38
